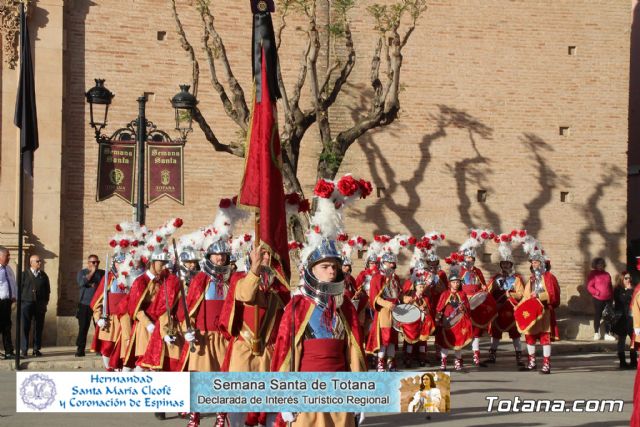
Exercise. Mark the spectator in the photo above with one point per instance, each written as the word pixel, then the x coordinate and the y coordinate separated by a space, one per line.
pixel 623 327
pixel 599 286
pixel 35 297
pixel 88 280
pixel 8 292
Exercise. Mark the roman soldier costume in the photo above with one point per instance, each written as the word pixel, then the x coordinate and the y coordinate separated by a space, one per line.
pixel 474 286
pixel 507 289
pixel 321 321
pixel 535 315
pixel 454 330
pixel 207 292
pixel 415 334
pixel 152 301
pixel 113 325
pixel 384 295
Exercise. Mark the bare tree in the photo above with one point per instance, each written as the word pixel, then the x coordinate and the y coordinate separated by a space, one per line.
pixel 386 64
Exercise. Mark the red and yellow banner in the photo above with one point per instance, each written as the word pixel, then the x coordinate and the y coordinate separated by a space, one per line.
pixel 165 172
pixel 116 166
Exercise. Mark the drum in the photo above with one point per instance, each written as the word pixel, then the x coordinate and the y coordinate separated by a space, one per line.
pixel 483 309
pixel 406 313
pixel 477 299
pixel 527 313
pixel 450 322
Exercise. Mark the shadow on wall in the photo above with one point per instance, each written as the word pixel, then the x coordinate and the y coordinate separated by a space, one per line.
pixel 73 153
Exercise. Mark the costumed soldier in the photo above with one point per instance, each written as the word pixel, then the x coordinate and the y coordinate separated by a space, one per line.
pixel 384 295
pixel 143 297
pixel 535 315
pixel 454 329
pixel 473 284
pixel 254 294
pixel 415 334
pixel 165 338
pixel 357 294
pixel 439 282
pixel 113 325
pixel 363 283
pixel 507 289
pixel 323 322
pixel 205 299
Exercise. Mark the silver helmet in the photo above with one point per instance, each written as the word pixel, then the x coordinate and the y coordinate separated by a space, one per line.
pixel 189 254
pixel 326 250
pixel 389 257
pixel 219 247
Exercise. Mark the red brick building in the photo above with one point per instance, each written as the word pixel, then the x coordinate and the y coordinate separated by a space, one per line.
pixel 514 114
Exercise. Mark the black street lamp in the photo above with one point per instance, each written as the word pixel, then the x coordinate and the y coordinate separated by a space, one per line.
pixel 141 130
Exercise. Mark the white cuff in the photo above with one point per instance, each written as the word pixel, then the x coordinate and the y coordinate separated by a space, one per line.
pixel 637 331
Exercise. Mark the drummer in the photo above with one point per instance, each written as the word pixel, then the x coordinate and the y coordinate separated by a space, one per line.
pixel 507 288
pixel 544 286
pixel 363 284
pixel 473 282
pixel 415 293
pixel 453 321
pixel 384 295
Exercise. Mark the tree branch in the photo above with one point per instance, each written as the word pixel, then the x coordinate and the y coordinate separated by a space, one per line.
pixel 195 78
pixel 344 72
pixel 236 150
pixel 239 102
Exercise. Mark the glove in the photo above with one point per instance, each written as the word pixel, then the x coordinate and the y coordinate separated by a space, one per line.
pixel 151 327
pixel 190 336
pixel 637 331
pixel 101 323
pixel 169 339
pixel 288 417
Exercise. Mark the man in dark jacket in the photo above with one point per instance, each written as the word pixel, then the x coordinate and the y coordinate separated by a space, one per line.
pixel 88 280
pixel 35 297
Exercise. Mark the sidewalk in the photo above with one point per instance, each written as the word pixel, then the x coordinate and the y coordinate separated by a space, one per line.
pixel 62 358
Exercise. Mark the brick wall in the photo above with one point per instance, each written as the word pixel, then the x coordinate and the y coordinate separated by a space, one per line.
pixel 487 87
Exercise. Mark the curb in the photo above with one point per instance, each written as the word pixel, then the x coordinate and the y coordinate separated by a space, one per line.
pixel 91 362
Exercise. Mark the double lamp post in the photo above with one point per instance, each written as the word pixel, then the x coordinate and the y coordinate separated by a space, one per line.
pixel 140 129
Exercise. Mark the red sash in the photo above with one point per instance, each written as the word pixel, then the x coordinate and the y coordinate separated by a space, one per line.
pixel 208 317
pixel 323 355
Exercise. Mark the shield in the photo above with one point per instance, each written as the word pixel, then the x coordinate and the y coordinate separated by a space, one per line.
pixel 527 313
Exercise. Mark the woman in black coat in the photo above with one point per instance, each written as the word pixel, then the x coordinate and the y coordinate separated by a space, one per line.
pixel 623 326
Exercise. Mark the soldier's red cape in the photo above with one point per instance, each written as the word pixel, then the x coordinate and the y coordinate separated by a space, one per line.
pixel 262 187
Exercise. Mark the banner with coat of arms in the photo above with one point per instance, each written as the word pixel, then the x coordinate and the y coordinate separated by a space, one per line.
pixel 116 165
pixel 165 172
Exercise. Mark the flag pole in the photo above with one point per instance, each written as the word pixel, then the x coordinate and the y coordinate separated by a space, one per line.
pixel 20 257
pixel 255 345
pixel 20 208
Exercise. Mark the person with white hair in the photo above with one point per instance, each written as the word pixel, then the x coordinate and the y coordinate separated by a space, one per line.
pixel 8 294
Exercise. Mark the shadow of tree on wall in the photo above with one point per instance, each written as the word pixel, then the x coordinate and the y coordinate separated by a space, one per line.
pixel 383 173
pixel 596 225
pixel 547 181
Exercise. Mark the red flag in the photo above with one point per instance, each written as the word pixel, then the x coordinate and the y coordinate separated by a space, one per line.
pixel 262 187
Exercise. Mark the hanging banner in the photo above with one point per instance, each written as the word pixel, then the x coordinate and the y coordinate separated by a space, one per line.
pixel 165 172
pixel 116 166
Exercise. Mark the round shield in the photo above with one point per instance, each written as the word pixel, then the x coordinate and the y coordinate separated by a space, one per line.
pixel 477 299
pixel 406 313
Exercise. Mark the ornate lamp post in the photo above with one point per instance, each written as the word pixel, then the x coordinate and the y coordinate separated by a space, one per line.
pixel 141 130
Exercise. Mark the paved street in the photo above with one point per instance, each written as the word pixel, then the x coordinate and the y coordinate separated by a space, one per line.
pixel 583 376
